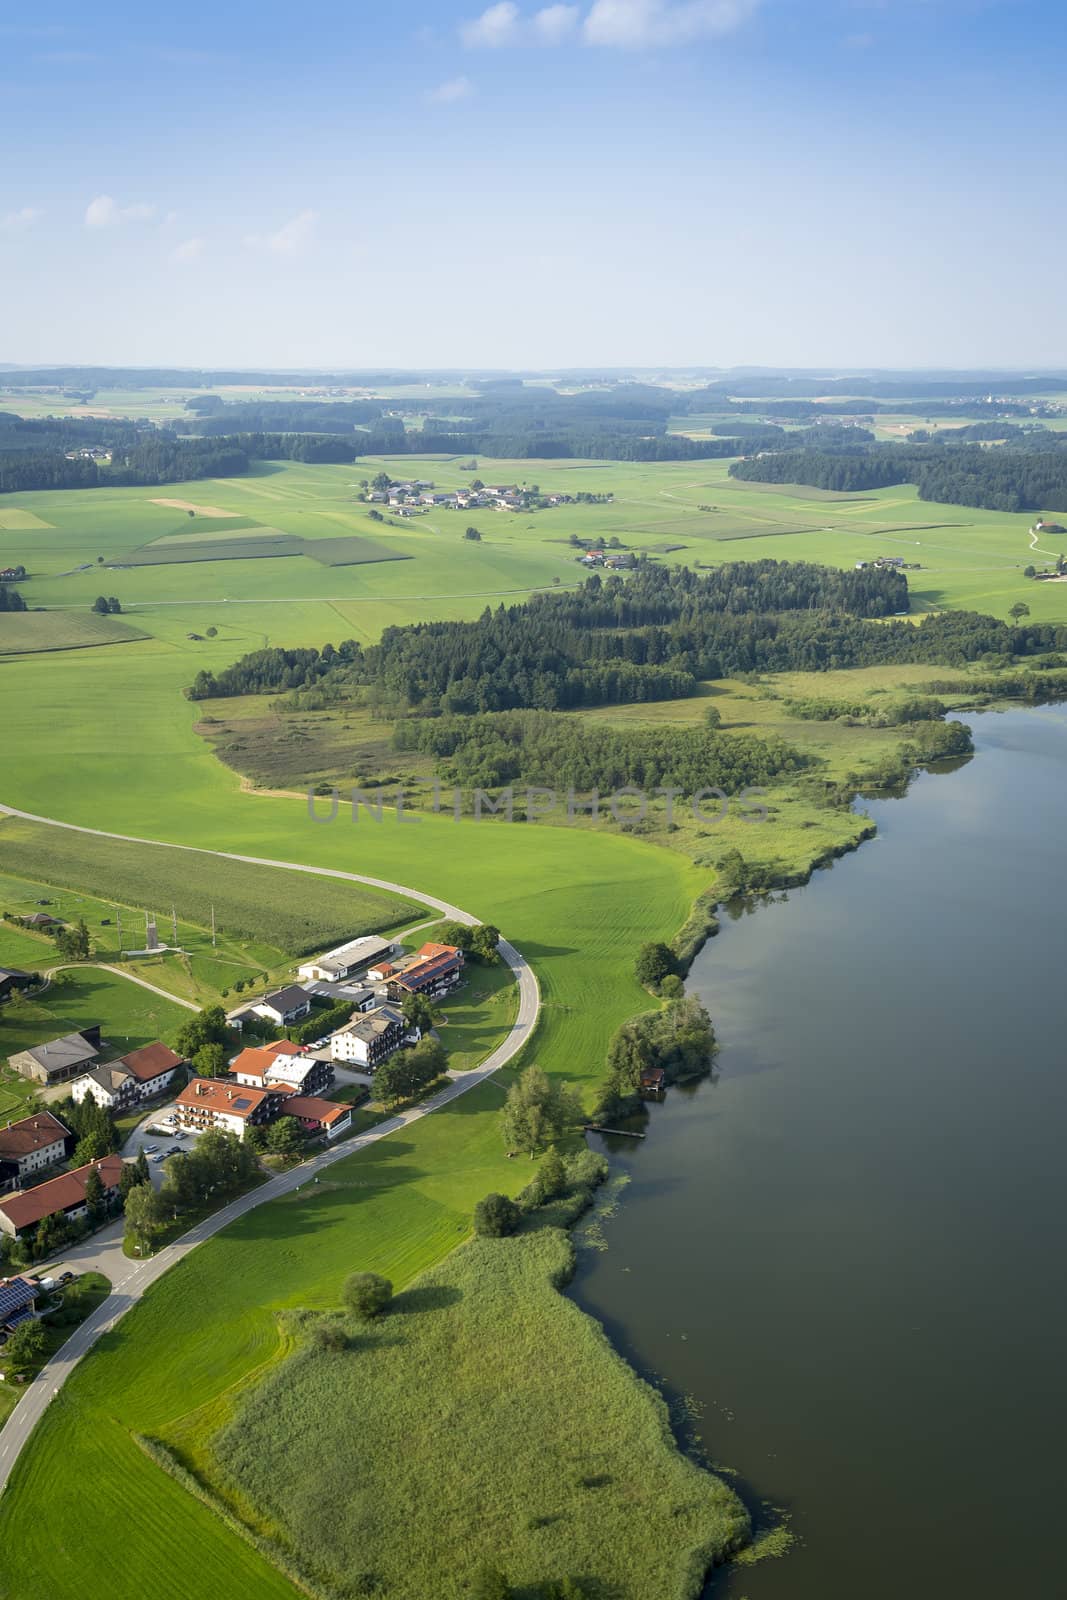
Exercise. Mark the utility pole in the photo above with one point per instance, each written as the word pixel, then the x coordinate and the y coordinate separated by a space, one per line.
pixel 174 925
pixel 213 927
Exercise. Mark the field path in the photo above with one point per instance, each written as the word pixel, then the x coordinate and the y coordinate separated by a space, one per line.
pixel 130 1279
pixel 104 966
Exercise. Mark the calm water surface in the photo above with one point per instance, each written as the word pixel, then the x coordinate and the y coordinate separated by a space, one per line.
pixel 850 1247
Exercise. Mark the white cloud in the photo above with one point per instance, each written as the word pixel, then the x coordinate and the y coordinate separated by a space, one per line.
pixel 19 221
pixel 447 93
pixel 104 212
pixel 625 24
pixel 555 23
pixel 637 24
pixel 290 238
pixel 189 249
pixel 499 25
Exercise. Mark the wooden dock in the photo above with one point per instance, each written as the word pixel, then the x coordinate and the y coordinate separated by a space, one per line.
pixel 620 1133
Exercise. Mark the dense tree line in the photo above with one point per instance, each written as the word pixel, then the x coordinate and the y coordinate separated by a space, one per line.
pixel 1003 478
pixel 148 459
pixel 546 749
pixel 652 637
pixel 280 416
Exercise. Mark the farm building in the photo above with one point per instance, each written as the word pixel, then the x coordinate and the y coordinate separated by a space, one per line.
pixel 347 960
pixel 59 1059
pixel 64 1196
pixel 12 979
pixel 28 1146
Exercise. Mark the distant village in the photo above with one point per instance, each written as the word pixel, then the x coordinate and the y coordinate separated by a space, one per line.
pixel 889 564
pixel 409 498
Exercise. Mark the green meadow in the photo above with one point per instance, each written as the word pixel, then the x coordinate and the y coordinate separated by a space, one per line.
pixel 105 738
pixel 131 1015
pixel 601 1492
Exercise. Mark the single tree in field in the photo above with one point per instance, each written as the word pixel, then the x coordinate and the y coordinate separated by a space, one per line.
pixel 367 1294
pixel 654 962
pixel 1019 610
pixel 712 717
pixel 100 604
pixel 471 533
pixel 496 1216
pixel 537 1111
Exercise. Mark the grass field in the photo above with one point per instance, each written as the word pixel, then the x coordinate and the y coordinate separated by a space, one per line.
pixel 601 1493
pixel 23 632
pixel 262 906
pixel 79 996
pixel 106 739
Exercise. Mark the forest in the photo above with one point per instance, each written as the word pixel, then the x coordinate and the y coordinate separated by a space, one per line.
pixel 654 636
pixel 1028 475
pixel 558 752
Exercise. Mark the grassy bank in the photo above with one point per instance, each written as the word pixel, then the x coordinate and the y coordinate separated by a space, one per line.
pixel 550 1459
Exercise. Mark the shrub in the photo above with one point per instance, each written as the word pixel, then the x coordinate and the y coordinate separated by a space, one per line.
pixel 329 1336
pixel 367 1294
pixel 496 1216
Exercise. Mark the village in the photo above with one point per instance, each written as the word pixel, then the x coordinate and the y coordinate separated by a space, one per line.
pixel 270 1091
pixel 409 498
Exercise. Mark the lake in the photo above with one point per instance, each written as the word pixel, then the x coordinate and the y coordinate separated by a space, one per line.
pixel 848 1248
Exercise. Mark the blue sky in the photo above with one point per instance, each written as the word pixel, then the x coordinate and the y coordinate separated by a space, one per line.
pixel 676 182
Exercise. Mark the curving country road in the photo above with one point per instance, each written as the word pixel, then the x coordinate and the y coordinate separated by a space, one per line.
pixel 128 1289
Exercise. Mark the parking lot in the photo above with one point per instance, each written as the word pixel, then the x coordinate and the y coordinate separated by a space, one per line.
pixel 158 1145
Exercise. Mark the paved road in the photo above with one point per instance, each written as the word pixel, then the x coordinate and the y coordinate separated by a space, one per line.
pixel 130 1279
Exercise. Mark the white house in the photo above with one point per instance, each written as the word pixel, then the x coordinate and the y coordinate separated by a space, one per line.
pixel 284 1006
pixel 367 1040
pixel 109 1086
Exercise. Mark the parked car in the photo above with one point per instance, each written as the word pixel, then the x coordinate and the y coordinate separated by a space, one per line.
pixel 150 1149
pixel 65 1277
pixel 175 1150
pixel 158 1158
